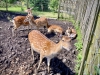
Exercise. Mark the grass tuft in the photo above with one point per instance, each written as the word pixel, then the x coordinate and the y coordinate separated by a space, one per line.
pixel 78 44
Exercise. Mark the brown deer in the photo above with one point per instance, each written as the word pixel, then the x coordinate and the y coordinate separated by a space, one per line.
pixel 40 22
pixel 56 29
pixel 71 32
pixel 29 10
pixel 45 47
pixel 19 20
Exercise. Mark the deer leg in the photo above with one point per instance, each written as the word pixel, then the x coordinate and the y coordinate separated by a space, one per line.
pixel 37 27
pixel 41 57
pixel 13 31
pixel 28 29
pixel 31 27
pixel 48 63
pixel 32 53
pixel 44 29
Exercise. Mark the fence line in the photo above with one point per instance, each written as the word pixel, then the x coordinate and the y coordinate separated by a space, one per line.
pixel 86 13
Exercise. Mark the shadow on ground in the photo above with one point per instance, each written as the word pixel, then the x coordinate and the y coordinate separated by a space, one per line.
pixel 15 53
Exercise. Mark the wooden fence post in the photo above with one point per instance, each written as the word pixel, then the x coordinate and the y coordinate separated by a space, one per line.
pixel 89 37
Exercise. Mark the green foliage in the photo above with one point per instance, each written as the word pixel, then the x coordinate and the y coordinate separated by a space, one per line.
pixel 41 5
pixel 78 44
pixel 2 4
pixel 97 70
pixel 53 5
pixel 11 1
pixel 21 9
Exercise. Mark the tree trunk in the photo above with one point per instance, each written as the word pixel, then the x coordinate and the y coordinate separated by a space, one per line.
pixel 6 5
pixel 59 9
pixel 27 4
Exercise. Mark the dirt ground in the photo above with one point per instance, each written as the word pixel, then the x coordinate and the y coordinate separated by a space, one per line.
pixel 15 54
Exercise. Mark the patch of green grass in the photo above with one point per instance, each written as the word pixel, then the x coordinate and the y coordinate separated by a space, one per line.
pixel 78 44
pixel 14 9
pixel 79 39
pixel 48 14
pixel 97 70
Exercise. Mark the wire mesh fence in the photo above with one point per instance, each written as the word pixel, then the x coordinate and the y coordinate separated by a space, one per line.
pixel 86 13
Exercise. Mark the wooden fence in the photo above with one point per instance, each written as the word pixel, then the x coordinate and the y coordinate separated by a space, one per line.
pixel 86 12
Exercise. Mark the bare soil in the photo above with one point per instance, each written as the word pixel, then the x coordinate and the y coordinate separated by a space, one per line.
pixel 15 53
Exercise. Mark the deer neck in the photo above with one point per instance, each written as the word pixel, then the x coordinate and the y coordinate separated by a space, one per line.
pixel 58 47
pixel 32 21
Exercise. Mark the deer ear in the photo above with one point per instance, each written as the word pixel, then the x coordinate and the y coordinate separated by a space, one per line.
pixel 28 9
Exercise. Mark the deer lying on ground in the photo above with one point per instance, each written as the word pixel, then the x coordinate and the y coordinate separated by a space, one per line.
pixel 40 22
pixel 45 47
pixel 19 20
pixel 56 29
pixel 71 32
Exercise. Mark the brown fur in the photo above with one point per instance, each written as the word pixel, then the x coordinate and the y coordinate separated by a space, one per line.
pixel 19 20
pixel 55 29
pixel 40 22
pixel 45 47
pixel 71 32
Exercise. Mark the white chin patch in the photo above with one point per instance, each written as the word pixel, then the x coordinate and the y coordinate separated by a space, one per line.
pixel 12 21
pixel 67 48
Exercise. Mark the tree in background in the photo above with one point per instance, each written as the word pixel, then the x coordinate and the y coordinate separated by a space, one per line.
pixel 41 5
pixel 6 5
pixel 27 3
pixel 53 5
pixel 11 1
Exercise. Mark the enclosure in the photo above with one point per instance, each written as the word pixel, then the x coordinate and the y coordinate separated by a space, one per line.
pixel 87 16
pixel 83 59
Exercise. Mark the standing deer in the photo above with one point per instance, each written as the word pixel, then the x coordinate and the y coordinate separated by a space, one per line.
pixel 40 22
pixel 29 10
pixel 19 20
pixel 45 47
pixel 71 32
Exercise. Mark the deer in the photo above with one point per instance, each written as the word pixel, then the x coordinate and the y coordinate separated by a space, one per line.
pixel 19 20
pixel 40 22
pixel 29 10
pixel 56 29
pixel 46 47
pixel 71 32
